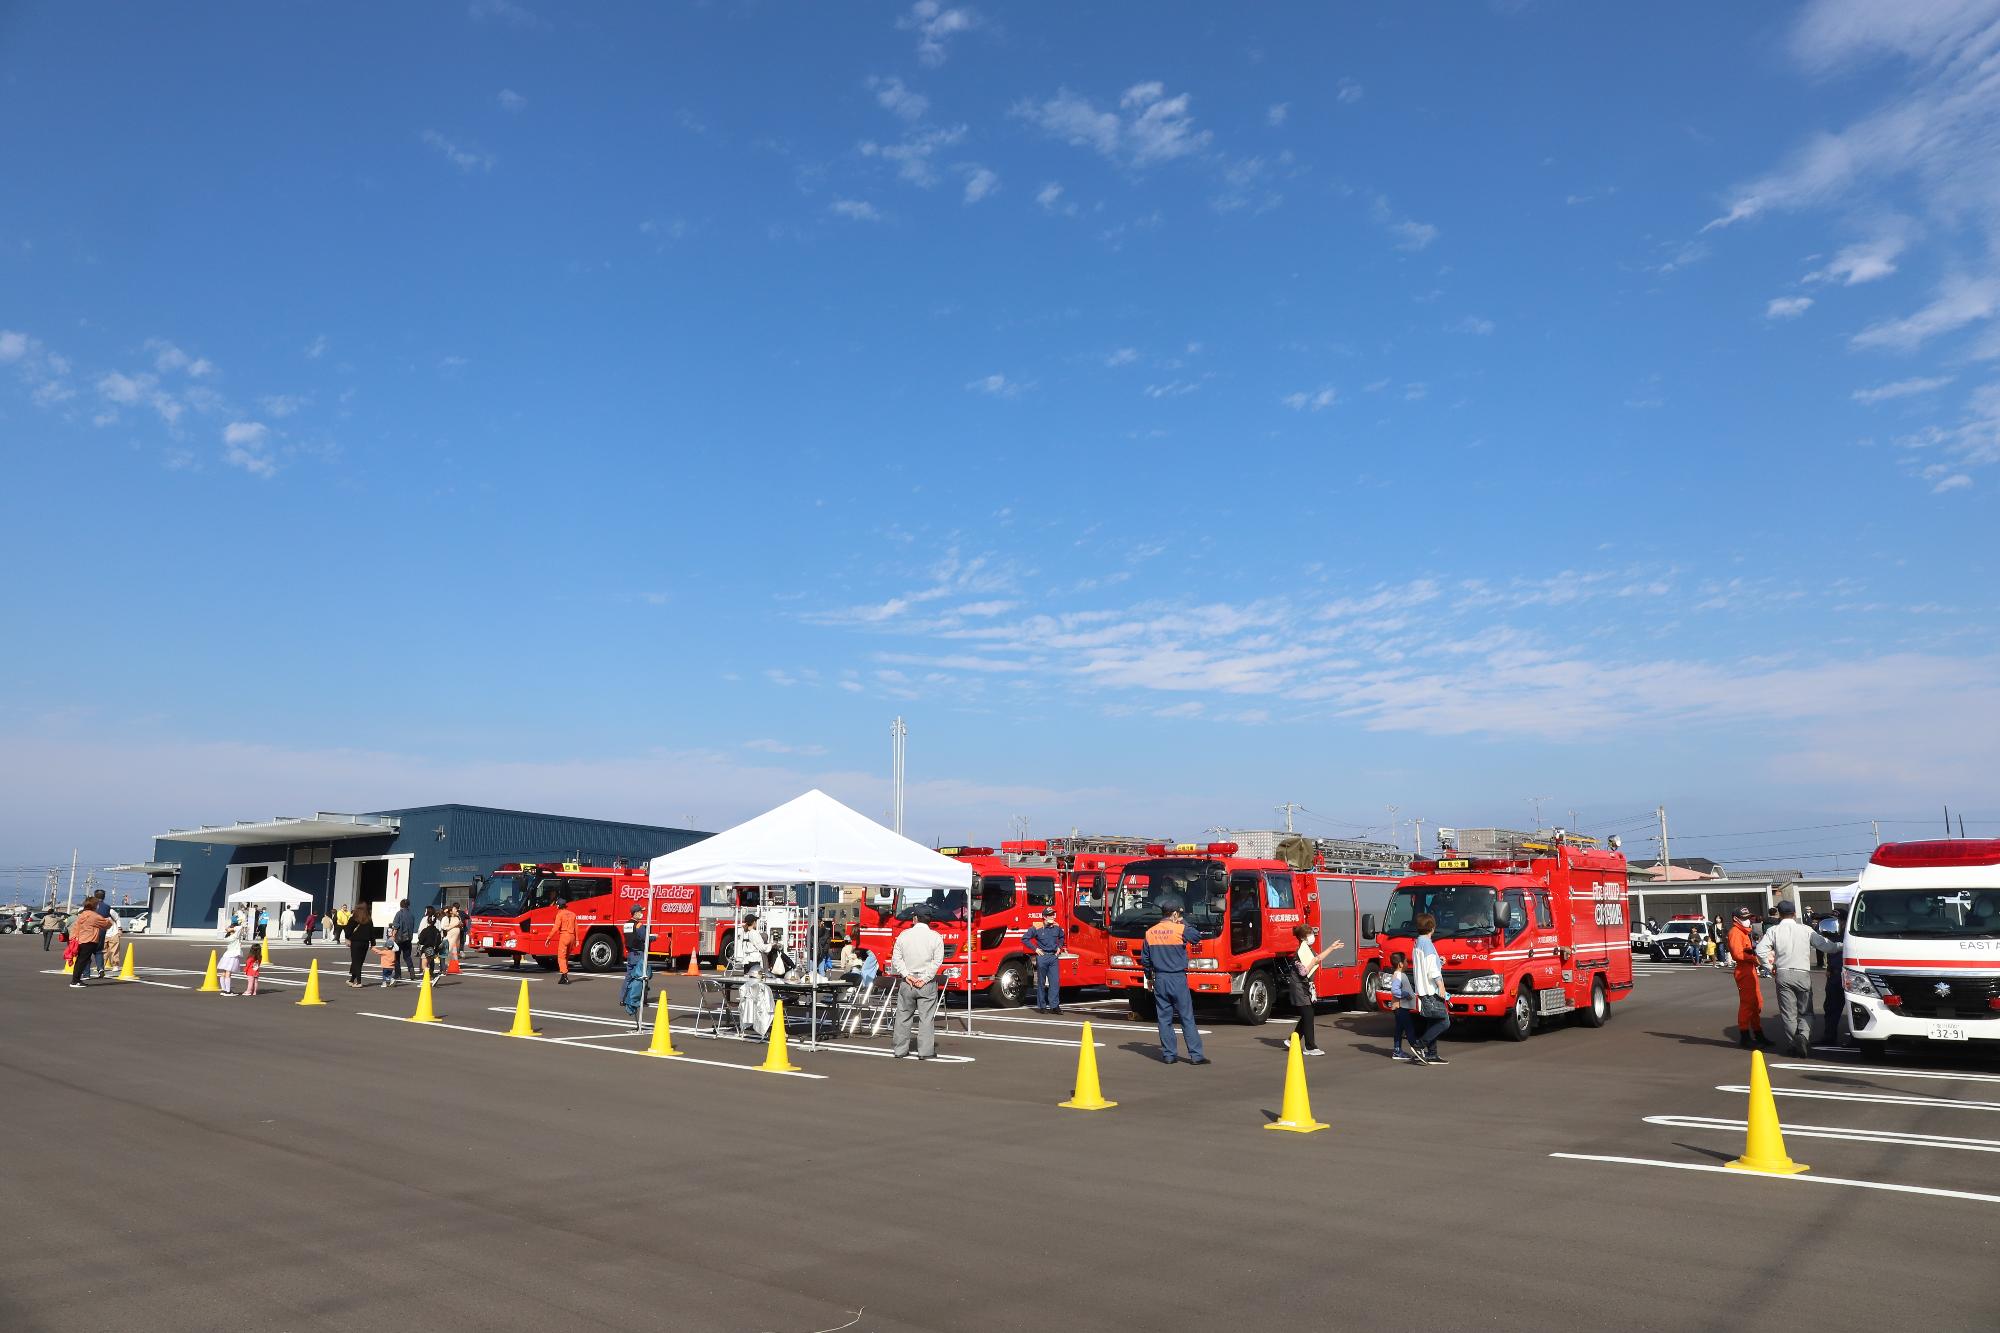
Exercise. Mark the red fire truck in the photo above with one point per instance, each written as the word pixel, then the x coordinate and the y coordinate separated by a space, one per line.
pixel 1010 887
pixel 1246 909
pixel 1536 931
pixel 513 915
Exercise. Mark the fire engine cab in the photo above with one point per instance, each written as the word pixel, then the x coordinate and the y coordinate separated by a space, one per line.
pixel 514 913
pixel 1923 945
pixel 1525 936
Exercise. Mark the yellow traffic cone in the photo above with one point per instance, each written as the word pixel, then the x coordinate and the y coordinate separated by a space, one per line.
pixel 263 953
pixel 1764 1147
pixel 663 1041
pixel 775 1060
pixel 1297 1114
pixel 424 1014
pixel 522 1027
pixel 128 970
pixel 1089 1096
pixel 312 986
pixel 208 981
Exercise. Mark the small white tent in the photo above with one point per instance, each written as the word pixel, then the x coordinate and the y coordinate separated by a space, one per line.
pixel 813 839
pixel 272 890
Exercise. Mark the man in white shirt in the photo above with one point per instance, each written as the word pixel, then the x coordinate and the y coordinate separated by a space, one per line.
pixel 751 948
pixel 915 960
pixel 1787 949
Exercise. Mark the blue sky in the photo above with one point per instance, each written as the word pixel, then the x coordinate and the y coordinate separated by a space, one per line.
pixel 1171 410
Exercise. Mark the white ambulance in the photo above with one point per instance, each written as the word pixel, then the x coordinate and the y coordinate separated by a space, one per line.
pixel 1923 946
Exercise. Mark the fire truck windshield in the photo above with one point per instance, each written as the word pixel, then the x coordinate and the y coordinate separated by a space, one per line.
pixel 1462 910
pixel 944 904
pixel 1915 914
pixel 502 895
pixel 1202 887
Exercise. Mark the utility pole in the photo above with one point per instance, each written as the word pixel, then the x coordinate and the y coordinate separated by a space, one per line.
pixel 1286 809
pixel 1536 801
pixel 1876 826
pixel 1666 858
pixel 898 738
pixel 72 868
pixel 1572 821
pixel 1418 825
pixel 1395 827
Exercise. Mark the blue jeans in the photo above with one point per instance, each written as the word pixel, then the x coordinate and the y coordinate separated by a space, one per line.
pixel 635 989
pixel 1173 1000
pixel 1429 1038
pixel 1048 981
pixel 1406 1030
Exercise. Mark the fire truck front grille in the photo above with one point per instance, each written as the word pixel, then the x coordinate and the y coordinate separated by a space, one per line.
pixel 1967 997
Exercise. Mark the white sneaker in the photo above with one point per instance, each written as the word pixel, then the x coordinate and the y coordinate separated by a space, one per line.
pixel 1313 1050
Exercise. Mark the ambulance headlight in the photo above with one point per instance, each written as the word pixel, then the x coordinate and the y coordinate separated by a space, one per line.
pixel 1855 982
pixel 1484 983
pixel 1203 964
pixel 1122 960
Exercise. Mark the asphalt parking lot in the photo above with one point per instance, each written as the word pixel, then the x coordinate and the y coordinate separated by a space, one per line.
pixel 247 1163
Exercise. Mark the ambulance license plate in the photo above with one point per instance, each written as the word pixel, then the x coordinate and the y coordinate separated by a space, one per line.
pixel 1948 1032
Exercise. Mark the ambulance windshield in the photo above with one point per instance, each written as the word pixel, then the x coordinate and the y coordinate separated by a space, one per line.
pixel 1915 914
pixel 1201 887
pixel 1463 911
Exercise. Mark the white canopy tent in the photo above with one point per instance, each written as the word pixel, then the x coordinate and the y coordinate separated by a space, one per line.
pixel 812 839
pixel 268 891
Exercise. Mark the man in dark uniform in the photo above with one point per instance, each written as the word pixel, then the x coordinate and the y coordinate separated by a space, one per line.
pixel 1045 942
pixel 1165 960
pixel 1835 1005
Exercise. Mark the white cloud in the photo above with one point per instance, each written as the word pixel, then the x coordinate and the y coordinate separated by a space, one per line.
pixel 281 404
pixel 125 389
pixel 1866 261
pixel 246 444
pixel 979 182
pixel 854 210
pixel 1123 356
pixel 913 154
pixel 779 747
pixel 1957 481
pixel 1172 389
pixel 899 100
pixel 934 26
pixel 1276 114
pixel 1412 235
pixel 1348 91
pixel 465 159
pixel 1413 393
pixel 1050 197
pixel 505 11
pixel 1787 307
pixel 1147 128
pixel 1473 324
pixel 510 100
pixel 168 358
pixel 1314 400
pixel 998 386
pixel 13 345
pixel 1960 301
pixel 1882 393
pixel 316 349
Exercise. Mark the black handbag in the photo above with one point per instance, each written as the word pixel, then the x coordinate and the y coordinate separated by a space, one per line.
pixel 1433 1006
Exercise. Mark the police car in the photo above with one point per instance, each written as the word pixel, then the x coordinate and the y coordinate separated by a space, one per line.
pixel 1681 940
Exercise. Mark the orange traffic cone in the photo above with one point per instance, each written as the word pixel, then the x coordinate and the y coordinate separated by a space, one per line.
pixel 1089 1096
pixel 451 967
pixel 694 963
pixel 1764 1145
pixel 1296 1114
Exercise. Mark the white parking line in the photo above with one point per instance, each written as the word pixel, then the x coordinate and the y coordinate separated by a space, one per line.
pixel 1807 1179
pixel 711 1036
pixel 1873 1072
pixel 609 1050
pixel 1889 1136
pixel 1878 1099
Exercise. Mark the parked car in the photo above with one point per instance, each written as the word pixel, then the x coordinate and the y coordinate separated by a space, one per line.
pixel 133 918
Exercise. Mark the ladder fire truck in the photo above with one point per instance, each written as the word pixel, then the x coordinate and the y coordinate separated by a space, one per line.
pixel 1246 909
pixel 514 913
pixel 1535 930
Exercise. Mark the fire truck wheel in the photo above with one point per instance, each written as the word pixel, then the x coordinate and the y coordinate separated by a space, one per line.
pixel 1254 1005
pixel 546 963
pixel 1010 985
pixel 1520 1020
pixel 1365 999
pixel 1143 1007
pixel 600 952
pixel 1599 1008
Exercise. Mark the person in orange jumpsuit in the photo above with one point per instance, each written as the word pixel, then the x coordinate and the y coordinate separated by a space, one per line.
pixel 1749 994
pixel 563 937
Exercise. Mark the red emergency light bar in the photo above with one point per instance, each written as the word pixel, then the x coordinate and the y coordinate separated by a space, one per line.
pixel 965 851
pixel 1191 849
pixel 1035 847
pixel 1939 852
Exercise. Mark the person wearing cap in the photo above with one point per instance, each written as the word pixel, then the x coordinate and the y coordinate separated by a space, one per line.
pixel 915 960
pixel 1787 949
pixel 1045 944
pixel 1749 991
pixel 1165 960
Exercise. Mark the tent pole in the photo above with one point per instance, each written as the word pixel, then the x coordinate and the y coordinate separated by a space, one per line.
pixel 812 968
pixel 646 962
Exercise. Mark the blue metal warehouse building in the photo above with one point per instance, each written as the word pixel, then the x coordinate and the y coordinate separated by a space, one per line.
pixel 430 854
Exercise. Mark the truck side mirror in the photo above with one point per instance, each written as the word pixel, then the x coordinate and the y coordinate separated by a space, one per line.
pixel 1367 925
